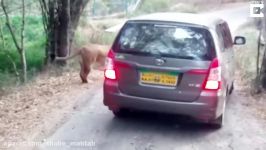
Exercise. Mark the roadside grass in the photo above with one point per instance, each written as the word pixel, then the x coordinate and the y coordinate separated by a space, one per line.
pixel 155 6
pixel 165 6
pixel 34 46
pixel 98 37
pixel 7 79
pixel 93 31
pixel 185 8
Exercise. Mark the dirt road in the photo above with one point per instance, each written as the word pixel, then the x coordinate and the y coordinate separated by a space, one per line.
pixel 94 126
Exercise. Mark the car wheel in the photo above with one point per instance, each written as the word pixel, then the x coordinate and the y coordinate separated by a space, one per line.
pixel 217 123
pixel 231 89
pixel 120 113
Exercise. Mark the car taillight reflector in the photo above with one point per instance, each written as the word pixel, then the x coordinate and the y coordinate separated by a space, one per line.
pixel 213 80
pixel 109 71
pixel 110 74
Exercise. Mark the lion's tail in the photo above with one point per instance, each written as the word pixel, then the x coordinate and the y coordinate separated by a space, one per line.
pixel 69 57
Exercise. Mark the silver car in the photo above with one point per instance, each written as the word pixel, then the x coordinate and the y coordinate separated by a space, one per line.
pixel 172 63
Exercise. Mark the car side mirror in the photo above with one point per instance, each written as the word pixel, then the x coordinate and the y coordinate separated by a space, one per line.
pixel 239 40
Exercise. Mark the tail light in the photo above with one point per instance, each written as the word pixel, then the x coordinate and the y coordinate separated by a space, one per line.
pixel 109 71
pixel 213 80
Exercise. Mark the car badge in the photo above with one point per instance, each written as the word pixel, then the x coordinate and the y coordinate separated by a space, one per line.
pixel 159 62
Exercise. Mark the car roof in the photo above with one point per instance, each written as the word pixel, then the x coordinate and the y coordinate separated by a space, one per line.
pixel 188 18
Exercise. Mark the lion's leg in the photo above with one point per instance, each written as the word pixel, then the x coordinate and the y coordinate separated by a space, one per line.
pixel 82 73
pixel 87 70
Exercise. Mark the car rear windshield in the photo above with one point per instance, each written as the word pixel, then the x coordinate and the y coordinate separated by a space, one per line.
pixel 165 40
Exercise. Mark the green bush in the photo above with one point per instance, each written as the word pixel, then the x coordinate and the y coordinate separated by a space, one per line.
pixel 7 79
pixel 34 46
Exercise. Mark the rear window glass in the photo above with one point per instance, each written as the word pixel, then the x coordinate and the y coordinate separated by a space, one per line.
pixel 176 41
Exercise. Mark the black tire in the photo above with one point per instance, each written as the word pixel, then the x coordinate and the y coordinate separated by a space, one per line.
pixel 120 113
pixel 217 123
pixel 231 89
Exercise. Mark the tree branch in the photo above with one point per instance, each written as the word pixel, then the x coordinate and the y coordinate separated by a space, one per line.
pixel 9 27
pixel 45 12
pixel 44 6
pixel 23 25
pixel 16 9
pixel 258 53
pixel 7 53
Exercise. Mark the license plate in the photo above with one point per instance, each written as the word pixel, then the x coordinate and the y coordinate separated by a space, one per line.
pixel 158 78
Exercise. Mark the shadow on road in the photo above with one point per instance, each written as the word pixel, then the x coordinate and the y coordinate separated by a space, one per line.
pixel 163 123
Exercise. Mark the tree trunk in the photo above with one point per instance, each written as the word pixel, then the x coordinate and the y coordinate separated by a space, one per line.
pixel 24 66
pixel 63 30
pixel 62 18
pixel 22 50
pixel 263 70
pixel 52 31
pixel 76 10
pixel 263 66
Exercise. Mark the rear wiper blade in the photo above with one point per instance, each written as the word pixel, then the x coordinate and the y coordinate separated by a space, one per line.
pixel 186 57
pixel 133 51
pixel 178 56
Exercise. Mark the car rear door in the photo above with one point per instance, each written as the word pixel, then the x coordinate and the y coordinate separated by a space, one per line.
pixel 227 52
pixel 230 51
pixel 160 75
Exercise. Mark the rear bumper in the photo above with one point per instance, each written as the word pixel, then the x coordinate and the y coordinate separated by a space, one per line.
pixel 206 107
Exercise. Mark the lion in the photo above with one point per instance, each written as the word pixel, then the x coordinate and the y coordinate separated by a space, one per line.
pixel 89 55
